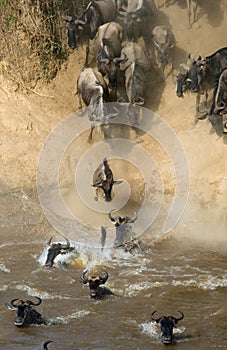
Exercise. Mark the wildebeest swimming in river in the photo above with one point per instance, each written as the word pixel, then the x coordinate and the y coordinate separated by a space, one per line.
pixel 55 249
pixel 167 323
pixel 123 230
pixel 94 281
pixel 26 314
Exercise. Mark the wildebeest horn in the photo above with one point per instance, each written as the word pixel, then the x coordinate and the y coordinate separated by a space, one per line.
pixel 67 243
pixel 104 60
pixel 46 343
pixel 140 4
pixel 181 317
pixel 38 302
pixel 13 302
pixel 157 44
pixel 220 107
pixel 154 318
pixel 49 242
pixel 140 101
pixel 111 217
pixel 112 115
pixel 83 278
pixel 133 218
pixel 79 21
pixel 122 58
pixel 105 276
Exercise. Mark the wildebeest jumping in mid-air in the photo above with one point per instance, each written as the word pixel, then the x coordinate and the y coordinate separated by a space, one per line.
pixel 103 179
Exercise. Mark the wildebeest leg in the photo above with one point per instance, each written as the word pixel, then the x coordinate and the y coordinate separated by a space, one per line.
pixel 79 100
pixel 96 194
pixel 189 11
pixel 197 107
pixel 87 55
pixel 91 133
pixel 194 9
pixel 206 98
pixel 106 130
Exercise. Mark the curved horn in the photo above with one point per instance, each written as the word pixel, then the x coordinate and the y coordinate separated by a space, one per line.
pixel 67 244
pixel 121 100
pixel 49 242
pixel 133 218
pixel 104 60
pixel 220 107
pixel 156 43
pixel 13 302
pixel 104 278
pixel 123 57
pixel 79 21
pixel 46 343
pixel 153 318
pixel 140 4
pixel 38 302
pixel 112 115
pixel 140 101
pixel 181 317
pixel 111 217
pixel 83 278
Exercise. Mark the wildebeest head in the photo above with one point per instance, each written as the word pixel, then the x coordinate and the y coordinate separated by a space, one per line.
pixel 56 249
pixel 134 19
pixel 103 178
pixel 25 313
pixel 163 51
pixel 75 28
pixel 87 25
pixel 187 78
pixel 167 323
pixel 94 282
pixel 108 63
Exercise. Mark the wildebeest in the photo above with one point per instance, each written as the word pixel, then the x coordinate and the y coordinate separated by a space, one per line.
pixel 123 229
pixel 55 249
pixel 46 343
pixel 94 282
pixel 218 107
pixel 93 89
pixel 86 27
pixel 103 179
pixel 164 43
pixel 167 323
pixel 107 50
pixel 26 314
pixel 202 74
pixel 137 19
pixel 135 69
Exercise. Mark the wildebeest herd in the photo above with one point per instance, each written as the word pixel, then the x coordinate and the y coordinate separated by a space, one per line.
pixel 126 43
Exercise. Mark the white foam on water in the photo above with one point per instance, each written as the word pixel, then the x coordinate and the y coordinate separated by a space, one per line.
pixel 4 268
pixel 43 295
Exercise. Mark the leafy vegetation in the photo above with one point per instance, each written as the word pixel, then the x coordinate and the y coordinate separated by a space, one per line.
pixel 33 39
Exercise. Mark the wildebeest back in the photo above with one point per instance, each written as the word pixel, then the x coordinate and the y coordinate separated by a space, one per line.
pixel 107 9
pixel 135 52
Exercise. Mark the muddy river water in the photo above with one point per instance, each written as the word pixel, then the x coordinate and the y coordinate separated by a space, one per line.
pixel 168 276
